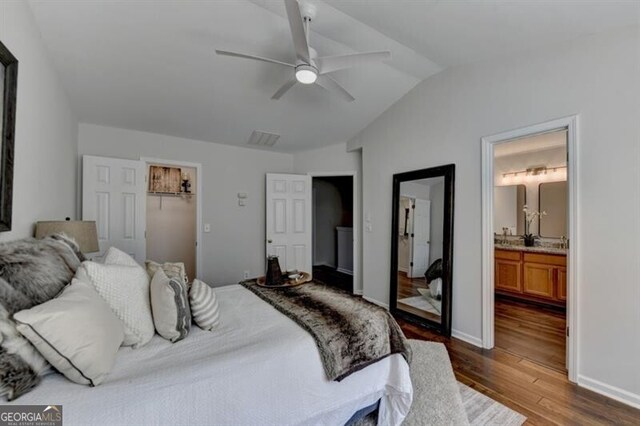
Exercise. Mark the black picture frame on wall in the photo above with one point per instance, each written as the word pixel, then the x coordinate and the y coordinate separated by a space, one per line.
pixel 448 172
pixel 8 94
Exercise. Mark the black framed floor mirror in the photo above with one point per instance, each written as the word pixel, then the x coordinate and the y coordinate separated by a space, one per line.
pixel 422 247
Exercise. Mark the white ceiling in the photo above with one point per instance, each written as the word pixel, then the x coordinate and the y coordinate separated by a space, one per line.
pixel 150 65
pixel 541 142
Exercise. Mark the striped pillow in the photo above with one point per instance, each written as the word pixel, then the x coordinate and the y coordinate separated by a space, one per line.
pixel 204 305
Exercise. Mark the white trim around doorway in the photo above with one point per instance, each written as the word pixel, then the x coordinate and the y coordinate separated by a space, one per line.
pixel 357 273
pixel 199 184
pixel 488 302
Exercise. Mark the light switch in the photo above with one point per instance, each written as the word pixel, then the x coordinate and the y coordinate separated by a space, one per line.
pixel 242 195
pixel 369 227
pixel 241 202
pixel 207 227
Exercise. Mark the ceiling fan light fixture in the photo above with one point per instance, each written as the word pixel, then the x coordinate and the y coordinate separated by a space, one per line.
pixel 306 74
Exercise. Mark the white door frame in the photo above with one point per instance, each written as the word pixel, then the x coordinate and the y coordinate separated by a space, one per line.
pixel 199 184
pixel 357 288
pixel 488 302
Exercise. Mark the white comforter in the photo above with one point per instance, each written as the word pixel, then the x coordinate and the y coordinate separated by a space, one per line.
pixel 258 368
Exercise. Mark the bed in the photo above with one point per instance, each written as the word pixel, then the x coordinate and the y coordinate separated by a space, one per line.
pixel 258 368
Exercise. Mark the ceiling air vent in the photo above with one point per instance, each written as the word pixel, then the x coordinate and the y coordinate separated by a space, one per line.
pixel 263 139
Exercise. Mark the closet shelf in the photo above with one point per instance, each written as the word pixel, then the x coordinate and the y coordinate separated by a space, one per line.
pixel 171 194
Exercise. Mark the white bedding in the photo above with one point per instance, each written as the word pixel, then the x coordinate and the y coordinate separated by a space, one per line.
pixel 258 368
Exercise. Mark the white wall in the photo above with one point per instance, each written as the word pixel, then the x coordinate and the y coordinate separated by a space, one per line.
pixel 442 120
pixel 44 185
pixel 236 241
pixel 336 158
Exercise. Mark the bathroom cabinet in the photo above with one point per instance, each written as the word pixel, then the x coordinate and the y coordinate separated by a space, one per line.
pixel 539 277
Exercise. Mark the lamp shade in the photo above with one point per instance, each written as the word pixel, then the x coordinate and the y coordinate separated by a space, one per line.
pixel 83 231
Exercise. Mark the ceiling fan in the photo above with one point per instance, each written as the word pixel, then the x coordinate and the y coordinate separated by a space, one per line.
pixel 309 68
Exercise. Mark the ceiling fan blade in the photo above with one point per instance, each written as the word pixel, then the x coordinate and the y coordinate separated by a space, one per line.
pixel 297 30
pixel 333 86
pixel 281 91
pixel 257 58
pixel 334 63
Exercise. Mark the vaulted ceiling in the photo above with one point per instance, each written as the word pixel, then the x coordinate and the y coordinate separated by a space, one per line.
pixel 151 66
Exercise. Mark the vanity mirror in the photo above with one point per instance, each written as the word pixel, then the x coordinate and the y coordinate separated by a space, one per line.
pixel 552 198
pixel 508 203
pixel 422 246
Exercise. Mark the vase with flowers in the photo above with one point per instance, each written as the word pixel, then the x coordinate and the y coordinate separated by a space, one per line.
pixel 529 217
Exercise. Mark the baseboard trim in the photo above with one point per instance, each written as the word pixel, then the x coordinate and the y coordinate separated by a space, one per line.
pixel 401 269
pixel 466 338
pixel 344 271
pixel 357 292
pixel 612 392
pixel 375 302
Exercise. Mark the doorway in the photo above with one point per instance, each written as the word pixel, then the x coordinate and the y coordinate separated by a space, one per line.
pixel 173 213
pixel 529 239
pixel 333 230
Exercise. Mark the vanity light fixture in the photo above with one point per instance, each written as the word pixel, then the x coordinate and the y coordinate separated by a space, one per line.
pixel 536 173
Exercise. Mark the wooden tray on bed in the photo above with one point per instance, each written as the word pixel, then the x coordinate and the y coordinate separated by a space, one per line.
pixel 286 281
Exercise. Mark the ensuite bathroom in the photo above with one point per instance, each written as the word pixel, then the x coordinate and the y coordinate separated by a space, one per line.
pixel 530 219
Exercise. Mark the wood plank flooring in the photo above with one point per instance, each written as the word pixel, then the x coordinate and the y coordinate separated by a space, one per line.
pixel 534 332
pixel 542 394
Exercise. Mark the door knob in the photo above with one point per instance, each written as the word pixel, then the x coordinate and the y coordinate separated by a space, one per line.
pixel 269 241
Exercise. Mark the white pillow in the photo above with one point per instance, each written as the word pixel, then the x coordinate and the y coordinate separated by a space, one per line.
pixel 115 256
pixel 435 287
pixel 171 270
pixel 170 306
pixel 76 332
pixel 204 305
pixel 125 288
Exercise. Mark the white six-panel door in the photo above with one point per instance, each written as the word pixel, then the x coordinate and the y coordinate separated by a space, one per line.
pixel 421 236
pixel 113 194
pixel 288 220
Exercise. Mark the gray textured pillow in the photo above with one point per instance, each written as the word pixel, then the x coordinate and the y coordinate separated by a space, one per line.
pixel 170 306
pixel 204 305
pixel 31 272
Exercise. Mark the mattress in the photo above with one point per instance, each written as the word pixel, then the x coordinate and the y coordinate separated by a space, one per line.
pixel 257 368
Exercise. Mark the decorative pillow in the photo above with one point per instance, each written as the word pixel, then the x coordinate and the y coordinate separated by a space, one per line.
pixel 204 305
pixel 170 306
pixel 31 272
pixel 76 332
pixel 115 256
pixel 435 287
pixel 125 288
pixel 171 269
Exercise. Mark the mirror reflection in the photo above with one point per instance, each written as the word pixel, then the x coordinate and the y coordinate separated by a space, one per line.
pixel 508 203
pixel 420 247
pixel 553 201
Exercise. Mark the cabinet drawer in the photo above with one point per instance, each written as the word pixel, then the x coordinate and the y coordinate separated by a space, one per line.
pixel 538 280
pixel 507 255
pixel 547 259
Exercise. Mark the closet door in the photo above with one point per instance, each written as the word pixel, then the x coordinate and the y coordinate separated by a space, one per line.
pixel 288 220
pixel 113 194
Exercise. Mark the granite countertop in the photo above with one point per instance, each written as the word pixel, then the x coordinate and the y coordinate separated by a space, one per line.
pixel 535 249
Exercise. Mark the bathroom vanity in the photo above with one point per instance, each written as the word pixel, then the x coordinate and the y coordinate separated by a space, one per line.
pixel 532 273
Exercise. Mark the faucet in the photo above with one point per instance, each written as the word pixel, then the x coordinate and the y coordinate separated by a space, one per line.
pixel 504 234
pixel 564 242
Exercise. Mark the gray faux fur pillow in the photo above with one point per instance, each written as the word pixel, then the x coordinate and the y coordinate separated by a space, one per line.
pixel 31 272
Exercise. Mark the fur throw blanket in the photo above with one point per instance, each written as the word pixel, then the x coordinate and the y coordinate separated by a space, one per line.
pixel 350 332
pixel 31 272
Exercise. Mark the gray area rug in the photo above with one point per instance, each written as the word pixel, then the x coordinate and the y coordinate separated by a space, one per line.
pixel 482 410
pixel 438 399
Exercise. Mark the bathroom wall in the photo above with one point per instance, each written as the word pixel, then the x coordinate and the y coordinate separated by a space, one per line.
pixel 517 162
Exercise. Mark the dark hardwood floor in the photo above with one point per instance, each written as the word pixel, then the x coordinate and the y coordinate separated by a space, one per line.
pixel 535 332
pixel 542 394
pixel 333 277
